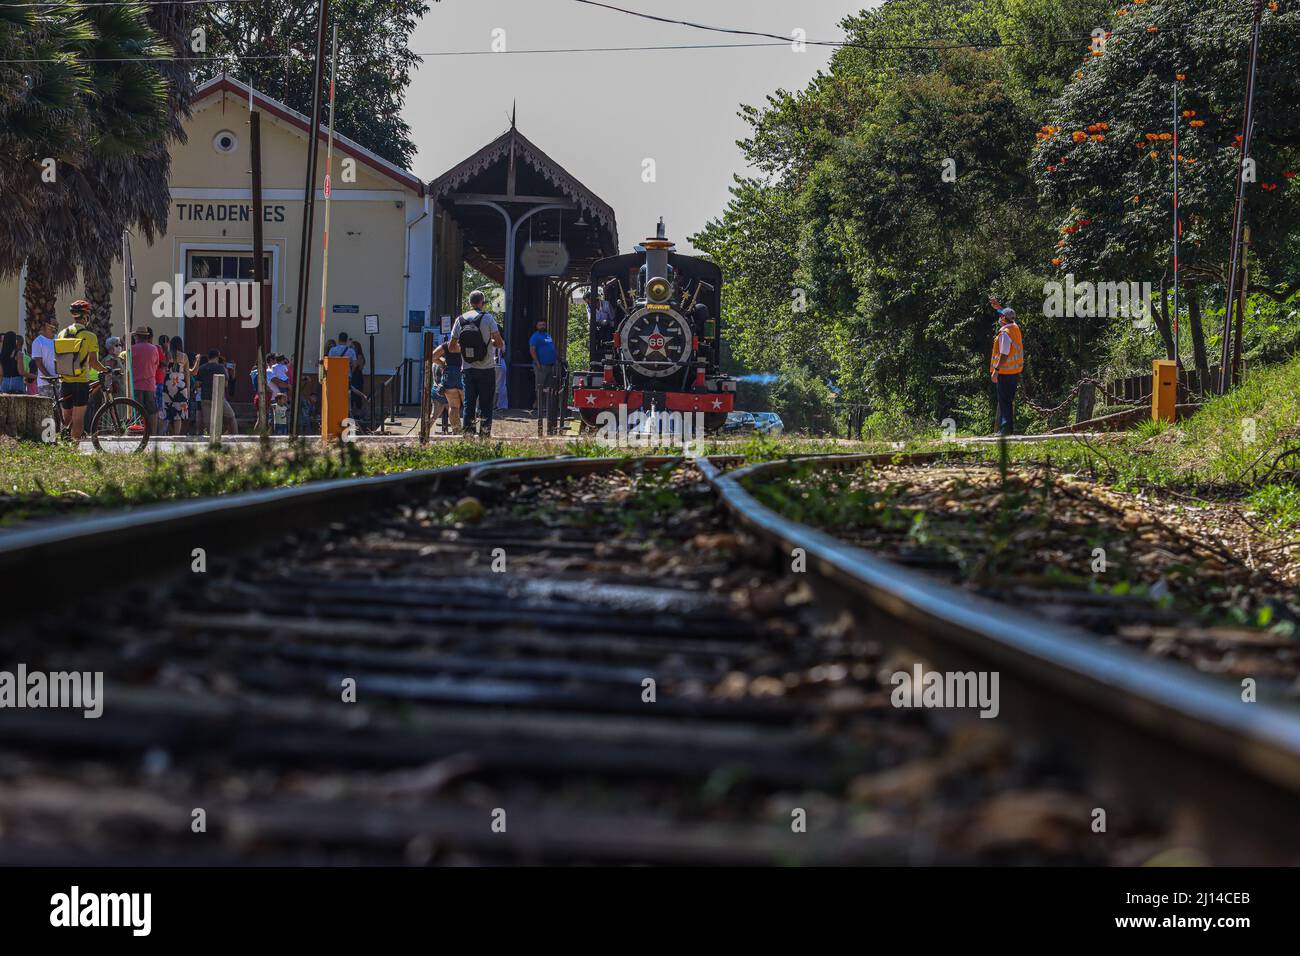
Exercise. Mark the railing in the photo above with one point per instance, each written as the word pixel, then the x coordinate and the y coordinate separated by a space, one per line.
pixel 409 372
pixel 388 398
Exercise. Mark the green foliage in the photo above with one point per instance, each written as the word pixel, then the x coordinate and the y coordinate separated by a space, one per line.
pixel 81 86
pixel 1278 505
pixel 250 41
pixel 892 262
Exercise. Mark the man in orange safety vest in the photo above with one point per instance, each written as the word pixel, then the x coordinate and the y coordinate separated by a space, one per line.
pixel 1006 362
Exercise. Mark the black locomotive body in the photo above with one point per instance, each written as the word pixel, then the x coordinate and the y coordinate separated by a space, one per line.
pixel 655 342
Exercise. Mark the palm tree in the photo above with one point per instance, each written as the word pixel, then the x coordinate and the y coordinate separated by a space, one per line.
pixel 136 183
pixel 43 83
pixel 104 104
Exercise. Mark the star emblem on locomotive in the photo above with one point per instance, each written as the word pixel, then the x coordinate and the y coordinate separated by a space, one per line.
pixel 656 343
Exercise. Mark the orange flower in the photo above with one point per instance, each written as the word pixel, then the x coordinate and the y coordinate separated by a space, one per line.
pixel 1180 76
pixel 1268 187
pixel 1197 123
pixel 1189 112
pixel 1085 222
pixel 1098 137
pixel 1060 243
pixel 1272 7
pixel 1097 53
pixel 1153 154
pixel 1051 169
pixel 1057 262
pixel 1153 29
pixel 1078 136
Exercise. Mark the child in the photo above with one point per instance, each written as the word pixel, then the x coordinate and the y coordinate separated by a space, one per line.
pixel 280 414
pixel 437 403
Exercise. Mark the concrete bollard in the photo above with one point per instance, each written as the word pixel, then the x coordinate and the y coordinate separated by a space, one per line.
pixel 217 403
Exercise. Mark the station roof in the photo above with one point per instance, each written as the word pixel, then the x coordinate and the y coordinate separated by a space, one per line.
pixel 221 83
pixel 516 175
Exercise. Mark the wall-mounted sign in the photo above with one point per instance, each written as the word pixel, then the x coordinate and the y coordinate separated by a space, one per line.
pixel 352 309
pixel 446 325
pixel 544 259
pixel 372 325
pixel 225 212
pixel 414 320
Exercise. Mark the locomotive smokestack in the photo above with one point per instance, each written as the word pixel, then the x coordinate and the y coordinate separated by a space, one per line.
pixel 656 254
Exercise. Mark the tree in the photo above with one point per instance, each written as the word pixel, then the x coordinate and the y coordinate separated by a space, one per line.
pixel 91 103
pixel 1106 157
pixel 271 45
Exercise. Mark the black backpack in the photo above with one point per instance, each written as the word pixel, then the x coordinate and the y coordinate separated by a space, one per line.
pixel 473 345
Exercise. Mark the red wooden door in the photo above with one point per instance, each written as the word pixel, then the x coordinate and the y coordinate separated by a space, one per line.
pixel 226 333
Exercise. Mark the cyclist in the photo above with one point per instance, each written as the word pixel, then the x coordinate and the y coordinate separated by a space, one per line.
pixel 76 354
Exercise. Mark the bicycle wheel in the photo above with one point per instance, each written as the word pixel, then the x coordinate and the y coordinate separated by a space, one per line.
pixel 124 420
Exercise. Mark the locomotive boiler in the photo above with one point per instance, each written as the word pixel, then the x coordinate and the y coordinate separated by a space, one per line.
pixel 655 339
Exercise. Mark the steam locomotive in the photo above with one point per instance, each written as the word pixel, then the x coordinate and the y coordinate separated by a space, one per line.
pixel 655 342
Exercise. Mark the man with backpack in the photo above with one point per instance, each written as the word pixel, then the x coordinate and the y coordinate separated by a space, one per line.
pixel 477 333
pixel 76 352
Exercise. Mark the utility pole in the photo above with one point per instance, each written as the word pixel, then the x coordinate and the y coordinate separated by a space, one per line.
pixel 259 271
pixel 329 191
pixel 308 216
pixel 1178 230
pixel 1239 208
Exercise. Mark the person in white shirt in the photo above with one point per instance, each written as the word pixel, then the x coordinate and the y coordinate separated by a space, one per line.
pixel 277 376
pixel 43 359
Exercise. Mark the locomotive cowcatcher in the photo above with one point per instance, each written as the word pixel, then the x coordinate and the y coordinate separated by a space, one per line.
pixel 655 343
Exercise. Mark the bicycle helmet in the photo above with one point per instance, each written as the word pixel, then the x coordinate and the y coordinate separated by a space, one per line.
pixel 80 307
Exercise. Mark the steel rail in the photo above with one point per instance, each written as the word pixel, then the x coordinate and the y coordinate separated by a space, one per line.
pixel 164 535
pixel 1068 670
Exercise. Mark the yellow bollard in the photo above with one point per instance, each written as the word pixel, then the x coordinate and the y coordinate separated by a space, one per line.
pixel 1164 389
pixel 334 398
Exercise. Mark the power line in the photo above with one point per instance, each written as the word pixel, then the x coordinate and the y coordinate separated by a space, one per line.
pixel 68 5
pixel 921 44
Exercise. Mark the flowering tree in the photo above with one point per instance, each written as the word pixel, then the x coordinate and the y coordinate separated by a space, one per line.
pixel 1107 152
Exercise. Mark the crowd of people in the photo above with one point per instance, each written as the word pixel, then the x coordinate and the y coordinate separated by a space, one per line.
pixel 177 390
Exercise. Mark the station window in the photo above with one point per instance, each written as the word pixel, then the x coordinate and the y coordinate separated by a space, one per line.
pixel 225 265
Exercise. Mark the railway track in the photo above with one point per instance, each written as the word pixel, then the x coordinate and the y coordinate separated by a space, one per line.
pixel 614 662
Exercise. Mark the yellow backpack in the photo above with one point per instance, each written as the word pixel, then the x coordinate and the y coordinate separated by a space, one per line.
pixel 69 352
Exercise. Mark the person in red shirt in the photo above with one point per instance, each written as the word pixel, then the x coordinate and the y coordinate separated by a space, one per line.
pixel 145 360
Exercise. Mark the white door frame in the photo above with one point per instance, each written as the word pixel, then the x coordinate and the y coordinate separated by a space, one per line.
pixel 273 247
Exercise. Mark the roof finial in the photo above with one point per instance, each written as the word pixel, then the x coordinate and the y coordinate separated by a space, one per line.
pixel 512 114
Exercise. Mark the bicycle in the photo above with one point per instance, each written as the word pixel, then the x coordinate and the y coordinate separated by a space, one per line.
pixel 115 416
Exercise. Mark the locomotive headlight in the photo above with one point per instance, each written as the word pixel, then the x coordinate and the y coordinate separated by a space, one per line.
pixel 658 290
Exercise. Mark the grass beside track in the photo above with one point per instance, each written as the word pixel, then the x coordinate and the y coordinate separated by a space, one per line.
pixel 1243 446
pixel 50 480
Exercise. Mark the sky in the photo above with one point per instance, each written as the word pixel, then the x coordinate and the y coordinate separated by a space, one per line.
pixel 601 114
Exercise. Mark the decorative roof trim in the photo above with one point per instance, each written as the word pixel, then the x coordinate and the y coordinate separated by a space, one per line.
pixel 221 83
pixel 548 168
